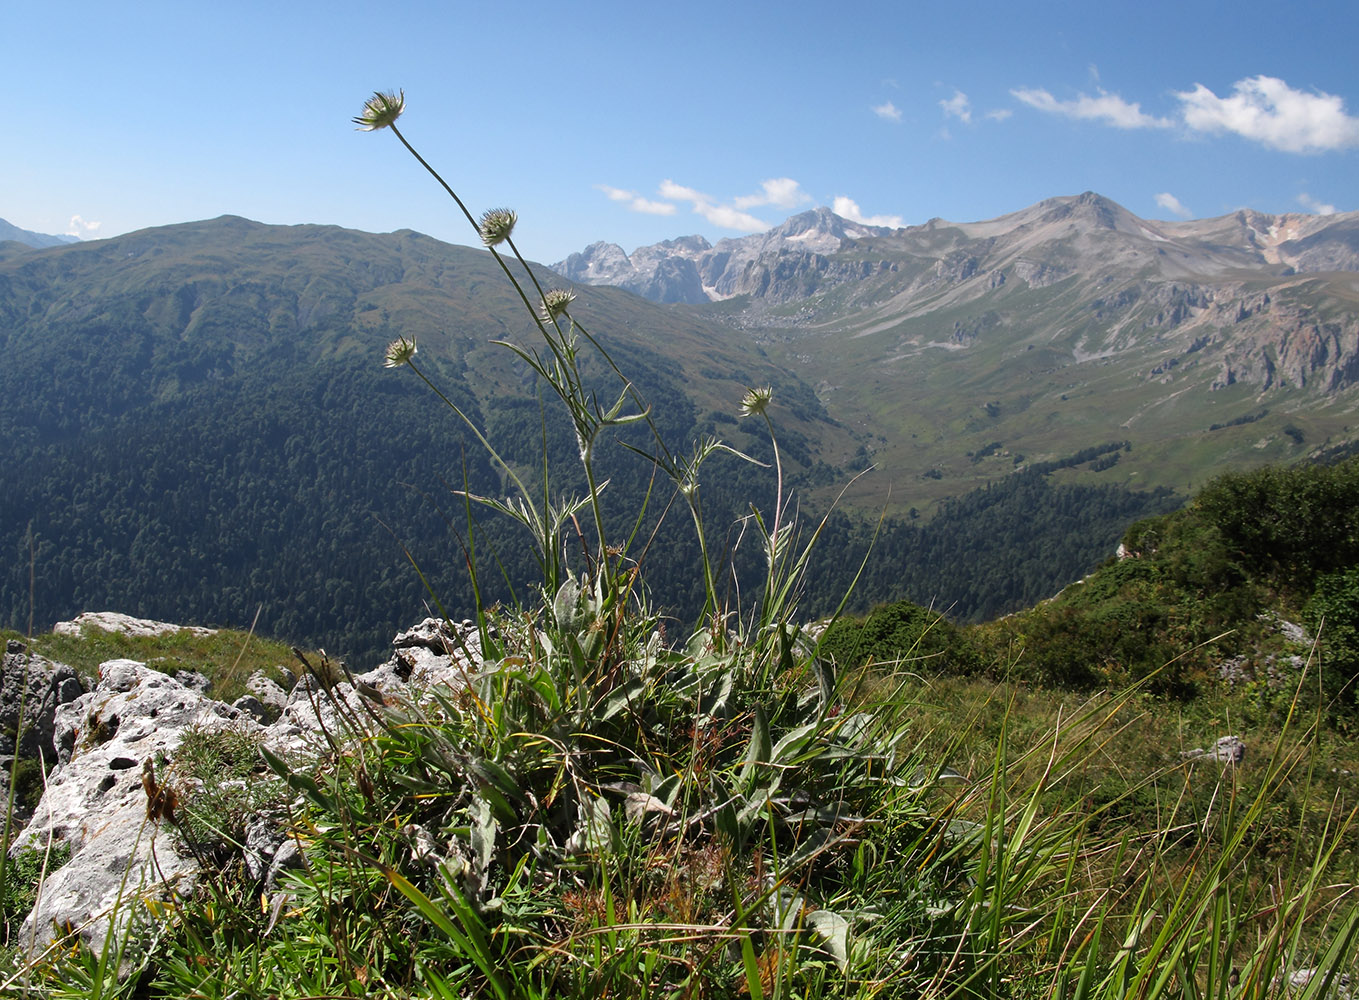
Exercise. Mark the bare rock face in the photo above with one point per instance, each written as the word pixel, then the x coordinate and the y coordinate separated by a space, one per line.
pixel 97 802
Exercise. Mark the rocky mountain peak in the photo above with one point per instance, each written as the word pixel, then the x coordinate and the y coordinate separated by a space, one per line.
pixel 689 269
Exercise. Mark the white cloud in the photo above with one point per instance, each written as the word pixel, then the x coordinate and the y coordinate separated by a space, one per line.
pixel 729 217
pixel 848 208
pixel 79 227
pixel 669 189
pixel 999 114
pixel 1314 206
pixel 1173 205
pixel 888 112
pixel 958 107
pixel 1108 108
pixel 779 192
pixel 635 202
pixel 1267 110
pixel 782 192
pixel 650 207
pixel 724 216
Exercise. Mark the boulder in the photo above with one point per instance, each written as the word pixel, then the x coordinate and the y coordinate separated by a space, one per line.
pixel 1227 750
pixel 40 686
pixel 267 691
pixel 435 652
pixel 1300 980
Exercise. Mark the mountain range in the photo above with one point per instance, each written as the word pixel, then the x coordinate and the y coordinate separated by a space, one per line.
pixel 195 423
pixel 689 269
pixel 1207 343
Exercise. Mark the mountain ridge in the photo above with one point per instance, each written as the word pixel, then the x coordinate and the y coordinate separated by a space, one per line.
pixel 1243 239
pixel 28 238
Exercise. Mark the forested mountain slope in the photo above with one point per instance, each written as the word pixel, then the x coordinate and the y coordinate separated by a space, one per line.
pixel 195 425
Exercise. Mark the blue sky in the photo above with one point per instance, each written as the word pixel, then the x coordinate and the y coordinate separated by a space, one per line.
pixel 635 122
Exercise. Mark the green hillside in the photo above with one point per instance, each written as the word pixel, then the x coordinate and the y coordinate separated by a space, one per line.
pixel 1197 603
pixel 197 427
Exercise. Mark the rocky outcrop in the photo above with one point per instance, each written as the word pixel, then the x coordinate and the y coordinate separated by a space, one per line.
pixel 96 802
pixel 1227 750
pixel 112 621
pixel 117 747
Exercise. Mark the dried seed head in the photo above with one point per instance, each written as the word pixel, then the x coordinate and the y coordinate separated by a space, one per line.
pixel 381 110
pixel 399 352
pixel 555 302
pixel 496 226
pixel 756 401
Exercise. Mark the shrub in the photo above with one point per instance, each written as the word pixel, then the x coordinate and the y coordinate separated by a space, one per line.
pixel 1332 613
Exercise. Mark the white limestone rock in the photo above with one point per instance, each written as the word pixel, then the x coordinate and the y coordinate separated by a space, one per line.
pixel 1230 750
pixel 112 621
pixel 96 803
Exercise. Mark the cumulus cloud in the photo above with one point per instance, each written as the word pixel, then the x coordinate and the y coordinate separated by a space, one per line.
pixel 1173 205
pixel 782 192
pixel 1263 109
pixel 635 202
pixel 778 192
pixel 1314 206
pixel 1107 108
pixel 848 208
pixel 79 227
pixel 724 216
pixel 958 107
pixel 888 112
pixel 999 114
pixel 1267 110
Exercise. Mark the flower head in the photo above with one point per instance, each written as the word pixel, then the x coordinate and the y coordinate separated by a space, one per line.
pixel 555 302
pixel 756 401
pixel 381 110
pixel 399 352
pixel 496 226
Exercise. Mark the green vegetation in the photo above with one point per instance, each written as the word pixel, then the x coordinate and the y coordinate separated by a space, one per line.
pixel 230 784
pixel 616 807
pixel 1197 588
pixel 19 884
pixel 226 658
